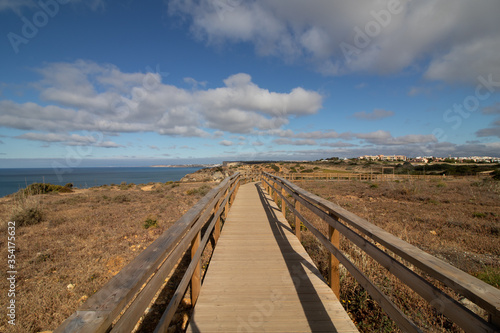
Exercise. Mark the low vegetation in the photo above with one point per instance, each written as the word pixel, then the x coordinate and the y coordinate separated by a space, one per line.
pixel 457 221
pixel 70 242
pixel 150 222
pixel 68 245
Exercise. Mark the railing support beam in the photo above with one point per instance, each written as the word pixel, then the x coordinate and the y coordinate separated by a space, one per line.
pixel 283 203
pixel 297 220
pixel 196 278
pixel 333 262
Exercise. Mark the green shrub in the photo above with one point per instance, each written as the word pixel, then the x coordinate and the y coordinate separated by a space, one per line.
pixel 120 198
pixel 41 188
pixel 192 191
pixel 440 184
pixel 124 186
pixel 274 167
pixel 203 190
pixel 27 210
pixel 65 189
pixel 478 215
pixel 150 222
pixel 491 276
pixel 374 185
pixel 27 216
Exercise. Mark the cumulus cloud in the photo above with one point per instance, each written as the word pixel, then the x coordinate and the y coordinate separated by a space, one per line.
pixel 338 144
pixel 226 143
pixel 492 131
pixel 303 142
pixel 19 5
pixel 493 109
pixel 288 133
pixel 381 137
pixel 448 40
pixel 70 139
pixel 16 5
pixel 88 96
pixel 375 115
pixel 194 84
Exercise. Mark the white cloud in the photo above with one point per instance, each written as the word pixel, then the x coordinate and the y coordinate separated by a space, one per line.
pixel 492 109
pixel 19 5
pixel 467 61
pixel 257 143
pixel 194 84
pixel 375 115
pixel 381 137
pixel 338 144
pixel 303 142
pixel 70 139
pixel 226 143
pixel 288 133
pixel 16 5
pixel 456 40
pixel 87 96
pixel 492 131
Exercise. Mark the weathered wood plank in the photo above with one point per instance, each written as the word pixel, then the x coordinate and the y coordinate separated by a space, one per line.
pixel 100 310
pixel 433 266
pixel 259 262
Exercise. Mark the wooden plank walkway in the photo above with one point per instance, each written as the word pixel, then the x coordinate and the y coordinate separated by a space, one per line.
pixel 261 279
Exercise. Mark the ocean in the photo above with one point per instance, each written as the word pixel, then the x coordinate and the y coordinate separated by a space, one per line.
pixel 11 180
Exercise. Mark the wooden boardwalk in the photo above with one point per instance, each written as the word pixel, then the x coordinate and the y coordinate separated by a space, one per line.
pixel 261 279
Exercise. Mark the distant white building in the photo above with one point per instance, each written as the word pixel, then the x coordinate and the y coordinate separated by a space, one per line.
pixel 384 158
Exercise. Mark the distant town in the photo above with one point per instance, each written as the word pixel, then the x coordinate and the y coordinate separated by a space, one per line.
pixel 429 159
pixel 384 158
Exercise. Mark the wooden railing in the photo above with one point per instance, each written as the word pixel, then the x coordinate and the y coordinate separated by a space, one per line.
pixel 340 176
pixel 119 305
pixel 370 239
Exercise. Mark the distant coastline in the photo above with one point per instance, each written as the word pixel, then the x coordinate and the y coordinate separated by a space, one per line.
pixel 12 180
pixel 184 165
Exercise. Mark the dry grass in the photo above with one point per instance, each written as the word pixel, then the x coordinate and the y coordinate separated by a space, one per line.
pixel 84 239
pixel 455 220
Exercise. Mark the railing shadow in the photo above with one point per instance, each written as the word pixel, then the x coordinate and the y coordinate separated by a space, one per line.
pixel 314 310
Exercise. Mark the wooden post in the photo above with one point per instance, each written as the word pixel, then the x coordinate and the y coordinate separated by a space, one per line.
pixel 217 227
pixel 283 204
pixel 196 278
pixel 234 194
pixel 297 221
pixel 275 193
pixel 494 320
pixel 226 207
pixel 333 263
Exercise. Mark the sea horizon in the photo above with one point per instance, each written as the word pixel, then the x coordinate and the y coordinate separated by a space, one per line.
pixel 14 179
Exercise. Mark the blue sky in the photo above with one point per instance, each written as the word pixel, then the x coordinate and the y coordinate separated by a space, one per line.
pixel 95 83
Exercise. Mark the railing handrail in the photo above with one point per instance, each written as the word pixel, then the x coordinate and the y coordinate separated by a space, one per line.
pixel 359 175
pixel 479 292
pixel 152 265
